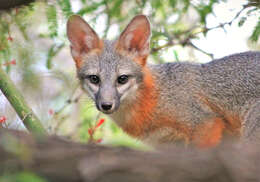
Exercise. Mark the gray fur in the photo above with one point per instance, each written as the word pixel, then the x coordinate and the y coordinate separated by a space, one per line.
pixel 187 93
pixel 232 81
pixel 231 84
pixel 108 66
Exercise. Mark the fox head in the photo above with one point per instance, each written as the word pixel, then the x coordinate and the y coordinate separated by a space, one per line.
pixel 111 72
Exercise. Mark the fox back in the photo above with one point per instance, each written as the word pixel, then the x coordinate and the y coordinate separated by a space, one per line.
pixel 194 103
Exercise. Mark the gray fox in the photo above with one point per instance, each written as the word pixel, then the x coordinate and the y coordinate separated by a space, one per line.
pixel 196 104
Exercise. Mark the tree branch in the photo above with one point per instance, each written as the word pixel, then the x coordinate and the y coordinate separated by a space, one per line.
pixel 25 113
pixel 7 4
pixel 201 50
pixel 56 160
pixel 221 25
pixel 187 41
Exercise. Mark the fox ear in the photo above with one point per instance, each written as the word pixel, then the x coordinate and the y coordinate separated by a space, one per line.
pixel 135 38
pixel 82 37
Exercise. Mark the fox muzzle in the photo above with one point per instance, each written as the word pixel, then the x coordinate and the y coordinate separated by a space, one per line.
pixel 107 100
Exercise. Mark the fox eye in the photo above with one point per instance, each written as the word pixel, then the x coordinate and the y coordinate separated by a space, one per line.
pixel 122 79
pixel 94 79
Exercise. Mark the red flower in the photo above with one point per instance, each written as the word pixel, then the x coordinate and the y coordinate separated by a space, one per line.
pixel 100 122
pixel 51 111
pixel 90 132
pixel 13 62
pixel 10 62
pixel 2 119
pixel 10 38
pixel 99 140
pixel 16 11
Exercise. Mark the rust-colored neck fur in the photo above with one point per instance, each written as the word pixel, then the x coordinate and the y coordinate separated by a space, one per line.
pixel 141 111
pixel 144 120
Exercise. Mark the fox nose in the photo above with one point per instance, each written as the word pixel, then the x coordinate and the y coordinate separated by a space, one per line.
pixel 106 106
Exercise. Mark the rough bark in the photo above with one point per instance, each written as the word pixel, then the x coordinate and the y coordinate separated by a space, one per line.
pixel 58 160
pixel 7 4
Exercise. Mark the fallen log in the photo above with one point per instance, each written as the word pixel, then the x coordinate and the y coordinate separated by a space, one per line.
pixel 56 160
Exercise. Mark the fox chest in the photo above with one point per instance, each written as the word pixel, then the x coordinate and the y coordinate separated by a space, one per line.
pixel 152 129
pixel 162 130
pixel 165 135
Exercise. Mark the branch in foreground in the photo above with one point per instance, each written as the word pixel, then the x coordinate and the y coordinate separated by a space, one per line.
pixel 7 4
pixel 15 98
pixel 57 160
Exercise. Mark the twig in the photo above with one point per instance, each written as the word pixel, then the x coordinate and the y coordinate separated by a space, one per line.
pixel 69 101
pixel 221 25
pixel 201 50
pixel 168 44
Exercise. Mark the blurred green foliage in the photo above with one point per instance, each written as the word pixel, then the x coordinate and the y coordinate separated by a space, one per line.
pixel 22 177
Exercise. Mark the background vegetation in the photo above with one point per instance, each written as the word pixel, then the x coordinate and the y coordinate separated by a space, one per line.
pixel 34 51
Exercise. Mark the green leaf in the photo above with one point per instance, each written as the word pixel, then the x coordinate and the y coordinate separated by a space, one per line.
pixel 173 3
pixel 22 177
pixel 23 19
pixel 156 4
pixel 256 33
pixel 53 51
pixel 242 21
pixel 65 7
pixel 251 11
pixel 52 20
pixel 176 56
pixel 186 5
pixel 90 8
pixel 204 10
pixel 116 9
